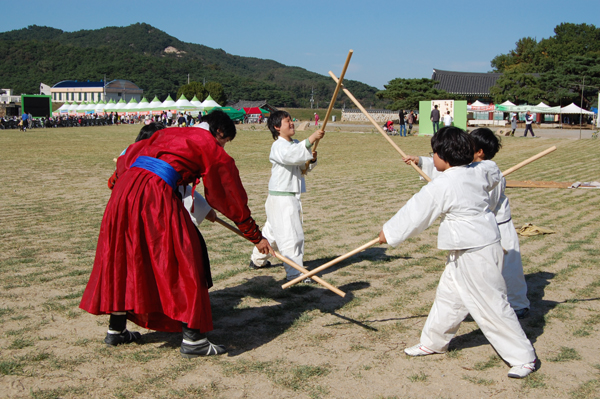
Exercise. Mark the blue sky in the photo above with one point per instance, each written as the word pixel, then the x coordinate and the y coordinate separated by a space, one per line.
pixel 390 39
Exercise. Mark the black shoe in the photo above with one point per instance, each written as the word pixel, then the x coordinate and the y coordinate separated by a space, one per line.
pixel 522 313
pixel 254 267
pixel 125 337
pixel 308 280
pixel 203 348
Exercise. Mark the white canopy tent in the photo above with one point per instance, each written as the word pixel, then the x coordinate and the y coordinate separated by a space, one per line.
pixel 574 109
pixel 197 103
pixel 99 108
pixel 110 106
pixel 73 108
pixel 183 104
pixel 209 104
pixel 131 106
pixel 120 107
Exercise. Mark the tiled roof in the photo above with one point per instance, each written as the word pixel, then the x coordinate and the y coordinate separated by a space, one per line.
pixel 465 83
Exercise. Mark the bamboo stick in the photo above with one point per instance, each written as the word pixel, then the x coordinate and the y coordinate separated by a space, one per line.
pixel 528 161
pixel 335 94
pixel 331 263
pixel 379 129
pixel 286 260
pixel 304 271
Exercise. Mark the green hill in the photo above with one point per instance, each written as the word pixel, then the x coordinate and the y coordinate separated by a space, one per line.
pixel 158 63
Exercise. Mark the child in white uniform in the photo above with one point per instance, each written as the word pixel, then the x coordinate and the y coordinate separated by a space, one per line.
pixel 486 145
pixel 472 280
pixel 283 227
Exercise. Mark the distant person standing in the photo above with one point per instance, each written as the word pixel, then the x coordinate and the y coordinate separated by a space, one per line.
pixel 316 120
pixel 24 121
pixel 402 122
pixel 528 124
pixel 30 119
pixel 447 119
pixel 513 124
pixel 435 118
pixel 410 119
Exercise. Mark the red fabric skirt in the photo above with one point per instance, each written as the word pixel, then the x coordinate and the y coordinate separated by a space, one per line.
pixel 150 259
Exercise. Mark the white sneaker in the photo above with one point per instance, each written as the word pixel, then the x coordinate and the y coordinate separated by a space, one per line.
pixel 522 371
pixel 419 350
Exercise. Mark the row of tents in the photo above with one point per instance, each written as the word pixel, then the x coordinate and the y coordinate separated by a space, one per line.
pixel 541 108
pixel 144 107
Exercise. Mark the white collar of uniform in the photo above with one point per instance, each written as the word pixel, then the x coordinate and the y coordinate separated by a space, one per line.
pixel 203 125
pixel 281 138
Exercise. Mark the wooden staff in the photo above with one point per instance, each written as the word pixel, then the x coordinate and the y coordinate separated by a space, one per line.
pixel 364 111
pixel 331 263
pixel 335 93
pixel 528 161
pixel 286 260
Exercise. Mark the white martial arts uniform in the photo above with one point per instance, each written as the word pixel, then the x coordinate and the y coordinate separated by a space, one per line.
pixel 512 271
pixel 283 228
pixel 472 280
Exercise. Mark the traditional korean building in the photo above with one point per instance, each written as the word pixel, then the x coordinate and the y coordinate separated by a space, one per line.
pixel 473 85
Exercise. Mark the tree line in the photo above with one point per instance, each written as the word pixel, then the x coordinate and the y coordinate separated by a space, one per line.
pixel 561 69
pixel 36 54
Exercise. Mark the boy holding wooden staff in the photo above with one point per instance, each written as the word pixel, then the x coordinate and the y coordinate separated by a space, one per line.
pixel 472 281
pixel 283 228
pixel 486 145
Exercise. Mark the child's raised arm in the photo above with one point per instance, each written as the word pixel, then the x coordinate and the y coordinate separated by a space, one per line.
pixel 317 135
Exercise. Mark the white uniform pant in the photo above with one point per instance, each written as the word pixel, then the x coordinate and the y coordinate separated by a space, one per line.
pixel 283 230
pixel 472 283
pixel 513 267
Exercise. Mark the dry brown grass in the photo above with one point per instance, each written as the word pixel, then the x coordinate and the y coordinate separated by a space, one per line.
pixel 305 341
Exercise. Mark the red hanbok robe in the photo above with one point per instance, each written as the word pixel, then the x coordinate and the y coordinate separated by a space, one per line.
pixel 150 259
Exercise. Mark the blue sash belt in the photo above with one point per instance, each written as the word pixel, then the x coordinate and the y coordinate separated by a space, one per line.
pixel 160 168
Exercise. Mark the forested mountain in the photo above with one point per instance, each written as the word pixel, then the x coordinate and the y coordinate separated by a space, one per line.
pixel 159 64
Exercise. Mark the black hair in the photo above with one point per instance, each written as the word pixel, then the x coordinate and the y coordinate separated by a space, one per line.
pixel 275 121
pixel 453 145
pixel 219 120
pixel 484 139
pixel 148 130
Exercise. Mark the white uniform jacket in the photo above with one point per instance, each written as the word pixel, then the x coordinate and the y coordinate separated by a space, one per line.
pixel 288 159
pixel 460 196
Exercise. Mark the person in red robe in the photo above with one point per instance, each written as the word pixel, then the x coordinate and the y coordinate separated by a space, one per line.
pixel 151 264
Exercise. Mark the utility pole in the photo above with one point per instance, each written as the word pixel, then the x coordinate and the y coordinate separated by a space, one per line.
pixel 581 107
pixel 312 99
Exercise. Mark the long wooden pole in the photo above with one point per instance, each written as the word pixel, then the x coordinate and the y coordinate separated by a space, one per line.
pixel 528 161
pixel 335 94
pixel 379 129
pixel 286 260
pixel 331 263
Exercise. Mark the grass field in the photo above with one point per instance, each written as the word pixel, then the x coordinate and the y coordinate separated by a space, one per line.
pixel 304 342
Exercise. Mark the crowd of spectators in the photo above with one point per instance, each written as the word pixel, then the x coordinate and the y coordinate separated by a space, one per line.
pixel 26 121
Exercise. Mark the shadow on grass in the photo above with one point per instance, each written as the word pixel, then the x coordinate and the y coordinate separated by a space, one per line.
pixel 375 255
pixel 254 313
pixel 533 325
